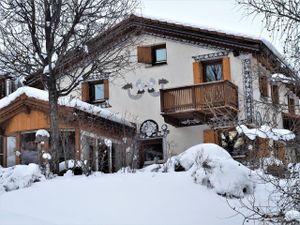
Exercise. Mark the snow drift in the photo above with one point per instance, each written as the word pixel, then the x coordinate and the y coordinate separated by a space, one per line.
pixel 20 176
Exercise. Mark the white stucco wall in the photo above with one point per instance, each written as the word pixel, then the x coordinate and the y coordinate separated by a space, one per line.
pixel 179 72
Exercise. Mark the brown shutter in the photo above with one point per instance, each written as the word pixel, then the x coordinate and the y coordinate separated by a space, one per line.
pixel 210 136
pixel 198 72
pixel 281 151
pixel 144 55
pixel 226 68
pixel 291 105
pixel 85 92
pixel 263 86
pixel 275 94
pixel 106 89
pixel 263 147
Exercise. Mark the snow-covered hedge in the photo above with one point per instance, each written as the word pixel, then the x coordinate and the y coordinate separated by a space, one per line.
pixel 19 176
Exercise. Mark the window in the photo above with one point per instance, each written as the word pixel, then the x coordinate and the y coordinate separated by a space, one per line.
pixel 159 54
pixel 152 151
pixel 29 150
pixel 291 105
pixel 95 91
pixel 275 94
pixel 155 55
pixel 263 86
pixel 212 71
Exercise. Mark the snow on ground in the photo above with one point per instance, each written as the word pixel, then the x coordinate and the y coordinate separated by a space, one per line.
pixel 140 198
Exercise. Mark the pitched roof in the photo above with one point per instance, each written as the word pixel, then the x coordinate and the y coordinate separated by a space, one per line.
pixel 191 34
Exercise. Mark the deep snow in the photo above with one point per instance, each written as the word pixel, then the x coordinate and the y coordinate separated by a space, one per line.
pixel 140 198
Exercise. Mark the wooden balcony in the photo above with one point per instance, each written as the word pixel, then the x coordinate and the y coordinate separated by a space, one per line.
pixel 196 104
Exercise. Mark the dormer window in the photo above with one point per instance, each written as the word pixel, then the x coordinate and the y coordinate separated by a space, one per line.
pixel 154 55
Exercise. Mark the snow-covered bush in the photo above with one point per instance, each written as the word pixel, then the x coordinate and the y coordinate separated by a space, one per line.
pixel 212 166
pixel 19 176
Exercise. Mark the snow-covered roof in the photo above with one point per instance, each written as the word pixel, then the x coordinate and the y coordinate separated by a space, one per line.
pixel 266 132
pixel 64 101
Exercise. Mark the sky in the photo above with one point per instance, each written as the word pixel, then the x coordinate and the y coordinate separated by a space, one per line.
pixel 218 14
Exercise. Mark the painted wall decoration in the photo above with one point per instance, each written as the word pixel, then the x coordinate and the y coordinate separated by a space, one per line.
pixel 150 128
pixel 141 87
pixel 248 88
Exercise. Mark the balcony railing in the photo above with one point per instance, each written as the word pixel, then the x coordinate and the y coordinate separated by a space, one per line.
pixel 204 100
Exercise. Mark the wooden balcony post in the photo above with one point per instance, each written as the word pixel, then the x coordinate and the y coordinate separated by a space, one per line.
pixel 194 97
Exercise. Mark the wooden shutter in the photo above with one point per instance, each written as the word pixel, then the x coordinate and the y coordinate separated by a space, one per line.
pixel 291 105
pixel 210 136
pixel 106 89
pixel 85 92
pixel 275 94
pixel 198 72
pixel 226 68
pixel 281 151
pixel 263 147
pixel 263 86
pixel 144 55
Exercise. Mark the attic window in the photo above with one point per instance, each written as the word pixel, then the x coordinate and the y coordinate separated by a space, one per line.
pixel 155 55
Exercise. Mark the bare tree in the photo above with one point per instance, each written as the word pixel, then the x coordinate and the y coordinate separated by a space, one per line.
pixel 63 43
pixel 282 19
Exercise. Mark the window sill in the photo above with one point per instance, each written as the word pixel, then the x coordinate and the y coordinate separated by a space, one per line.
pixel 156 64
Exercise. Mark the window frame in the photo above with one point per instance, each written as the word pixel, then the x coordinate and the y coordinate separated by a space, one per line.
pixel 205 64
pixel 92 92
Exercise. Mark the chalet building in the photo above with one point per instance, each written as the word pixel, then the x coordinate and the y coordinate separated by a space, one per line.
pixel 189 85
pixel 84 128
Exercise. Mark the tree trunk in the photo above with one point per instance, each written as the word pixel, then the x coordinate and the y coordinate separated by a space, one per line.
pixel 53 111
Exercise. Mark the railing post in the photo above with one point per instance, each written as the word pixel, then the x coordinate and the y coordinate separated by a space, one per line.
pixel 194 97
